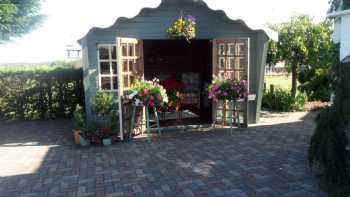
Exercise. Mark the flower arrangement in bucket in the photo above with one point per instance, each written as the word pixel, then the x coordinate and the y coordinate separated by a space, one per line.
pixel 184 27
pixel 148 93
pixel 228 90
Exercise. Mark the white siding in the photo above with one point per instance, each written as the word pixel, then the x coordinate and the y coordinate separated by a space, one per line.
pixel 337 30
pixel 345 36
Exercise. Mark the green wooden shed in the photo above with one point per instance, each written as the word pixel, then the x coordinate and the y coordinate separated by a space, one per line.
pixel 222 48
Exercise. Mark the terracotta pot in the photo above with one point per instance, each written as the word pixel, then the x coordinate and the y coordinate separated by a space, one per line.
pixel 76 134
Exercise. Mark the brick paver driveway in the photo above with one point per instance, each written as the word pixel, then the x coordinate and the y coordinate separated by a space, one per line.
pixel 269 159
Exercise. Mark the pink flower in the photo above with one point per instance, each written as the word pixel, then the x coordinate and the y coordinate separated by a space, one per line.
pixel 225 94
pixel 145 92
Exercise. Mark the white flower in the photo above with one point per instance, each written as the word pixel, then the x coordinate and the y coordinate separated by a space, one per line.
pixel 138 102
pixel 131 96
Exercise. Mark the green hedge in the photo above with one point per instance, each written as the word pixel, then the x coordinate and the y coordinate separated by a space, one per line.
pixel 328 144
pixel 43 92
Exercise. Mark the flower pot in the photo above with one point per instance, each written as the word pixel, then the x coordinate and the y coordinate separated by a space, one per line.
pixel 76 135
pixel 84 141
pixel 107 141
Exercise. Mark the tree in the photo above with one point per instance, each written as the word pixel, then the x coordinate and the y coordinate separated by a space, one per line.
pixel 303 44
pixel 18 17
pixel 339 5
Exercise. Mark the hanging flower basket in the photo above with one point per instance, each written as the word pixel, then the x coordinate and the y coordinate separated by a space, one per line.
pixel 148 93
pixel 228 90
pixel 184 27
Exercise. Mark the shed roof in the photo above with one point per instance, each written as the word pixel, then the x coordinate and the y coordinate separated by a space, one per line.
pixel 270 34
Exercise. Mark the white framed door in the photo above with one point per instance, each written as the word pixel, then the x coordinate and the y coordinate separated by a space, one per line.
pixel 231 61
pixel 130 69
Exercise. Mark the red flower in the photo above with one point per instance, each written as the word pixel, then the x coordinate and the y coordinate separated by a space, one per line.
pixel 172 84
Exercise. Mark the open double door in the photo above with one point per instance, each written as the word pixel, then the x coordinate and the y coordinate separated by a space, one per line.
pixel 230 61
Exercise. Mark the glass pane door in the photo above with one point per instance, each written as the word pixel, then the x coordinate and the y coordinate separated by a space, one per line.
pixel 231 61
pixel 130 57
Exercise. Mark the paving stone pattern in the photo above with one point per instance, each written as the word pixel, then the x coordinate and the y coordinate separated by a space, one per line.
pixel 268 159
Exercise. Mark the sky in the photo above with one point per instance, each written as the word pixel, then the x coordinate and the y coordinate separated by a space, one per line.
pixel 69 20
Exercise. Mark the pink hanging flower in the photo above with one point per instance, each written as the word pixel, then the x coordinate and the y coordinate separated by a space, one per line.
pixel 151 104
pixel 159 97
pixel 145 92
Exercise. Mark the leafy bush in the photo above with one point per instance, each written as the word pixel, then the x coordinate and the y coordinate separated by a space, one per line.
pixel 104 103
pixel 282 100
pixel 105 106
pixel 328 144
pixel 79 117
pixel 40 92
pixel 315 84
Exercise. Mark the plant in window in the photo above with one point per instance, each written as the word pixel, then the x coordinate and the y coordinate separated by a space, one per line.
pixel 228 90
pixel 148 93
pixel 184 27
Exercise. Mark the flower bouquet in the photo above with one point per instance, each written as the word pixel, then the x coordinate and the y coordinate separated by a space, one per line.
pixel 228 90
pixel 148 93
pixel 184 27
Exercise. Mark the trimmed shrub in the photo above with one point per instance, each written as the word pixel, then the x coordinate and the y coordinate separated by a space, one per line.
pixel 328 144
pixel 282 100
pixel 43 92
pixel 315 83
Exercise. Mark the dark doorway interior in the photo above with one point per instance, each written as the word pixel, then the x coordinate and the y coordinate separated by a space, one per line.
pixel 188 67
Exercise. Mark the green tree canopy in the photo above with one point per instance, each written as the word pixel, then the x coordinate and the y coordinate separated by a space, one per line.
pixel 18 17
pixel 303 43
pixel 339 5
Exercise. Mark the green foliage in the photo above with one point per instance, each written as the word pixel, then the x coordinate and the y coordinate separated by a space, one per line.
pixel 303 42
pixel 315 83
pixel 337 5
pixel 282 100
pixel 105 106
pixel 79 117
pixel 184 27
pixel 18 18
pixel 149 93
pixel 329 140
pixel 104 103
pixel 88 129
pixel 40 92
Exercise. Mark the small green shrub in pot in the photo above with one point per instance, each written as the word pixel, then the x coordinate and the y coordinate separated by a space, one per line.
pixel 106 135
pixel 86 132
pixel 78 117
pixel 78 121
pixel 104 104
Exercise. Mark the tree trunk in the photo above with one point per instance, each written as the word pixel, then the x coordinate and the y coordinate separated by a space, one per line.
pixel 294 80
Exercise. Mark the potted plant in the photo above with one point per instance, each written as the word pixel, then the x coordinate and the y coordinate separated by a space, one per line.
pixel 228 90
pixel 85 134
pixel 106 136
pixel 148 93
pixel 184 27
pixel 79 121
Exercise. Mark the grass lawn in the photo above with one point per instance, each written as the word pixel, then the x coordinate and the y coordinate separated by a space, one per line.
pixel 283 82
